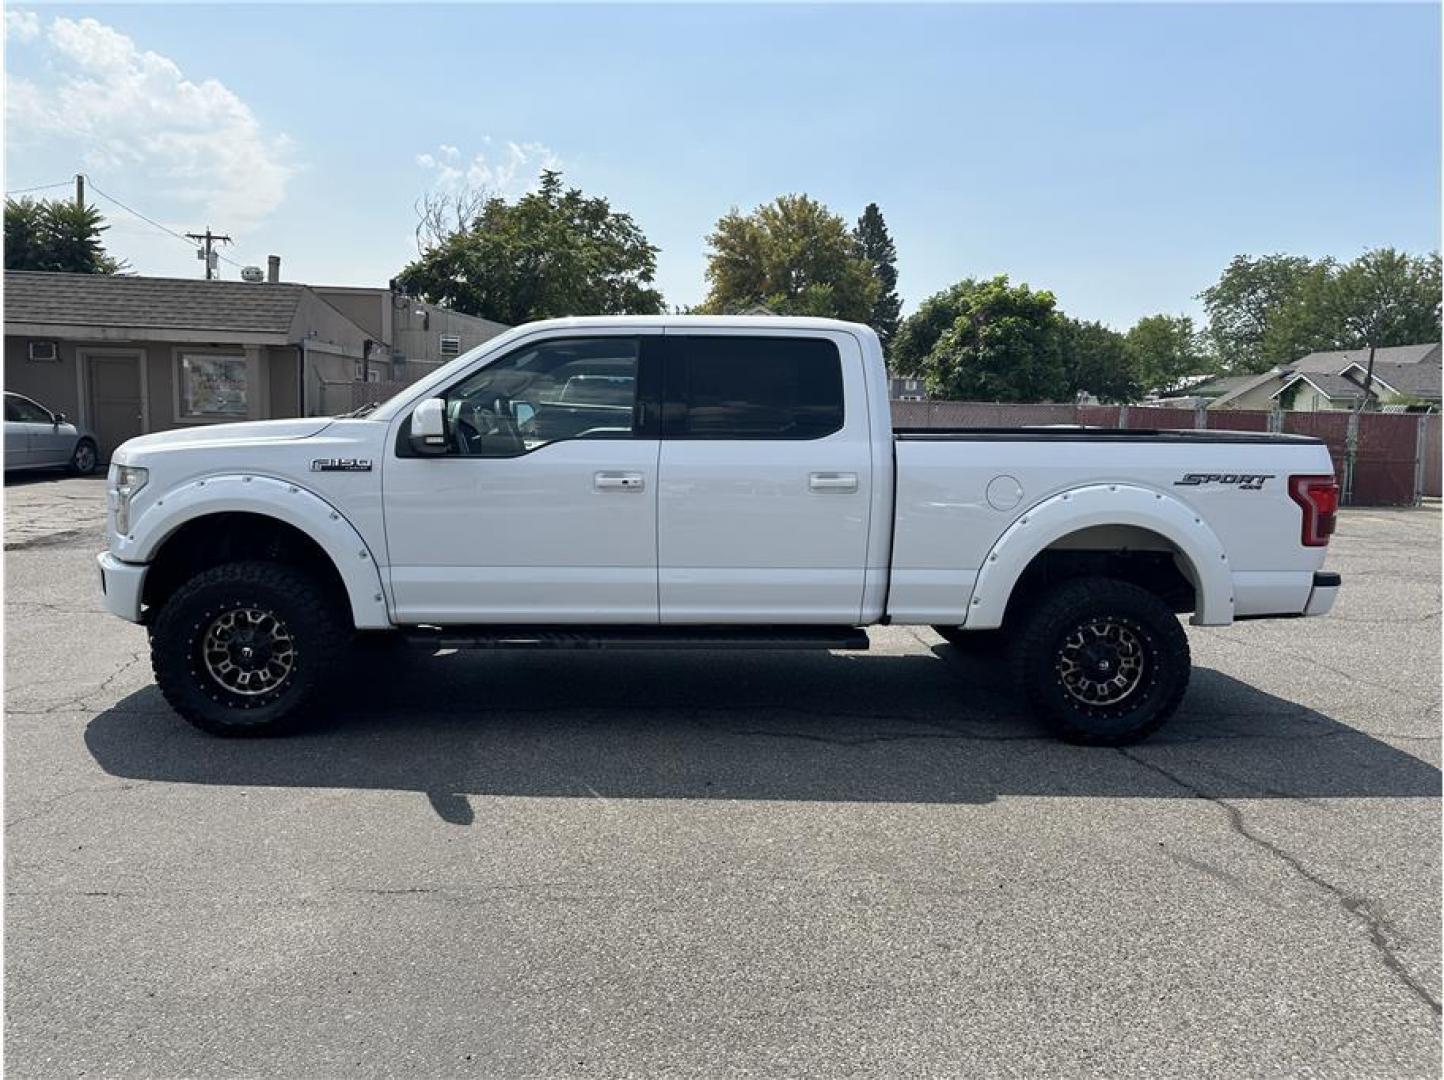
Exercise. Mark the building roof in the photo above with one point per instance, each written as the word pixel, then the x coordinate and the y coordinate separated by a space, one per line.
pixel 1333 387
pixel 1219 384
pixel 1413 365
pixel 1335 361
pixel 149 302
pixel 1249 383
pixel 1421 380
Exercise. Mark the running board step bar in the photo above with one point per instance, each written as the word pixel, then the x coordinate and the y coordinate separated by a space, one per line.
pixel 638 637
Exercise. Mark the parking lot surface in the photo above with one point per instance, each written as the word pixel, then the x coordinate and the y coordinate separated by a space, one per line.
pixel 725 864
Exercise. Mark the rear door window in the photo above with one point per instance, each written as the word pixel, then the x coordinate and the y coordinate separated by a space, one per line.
pixel 745 387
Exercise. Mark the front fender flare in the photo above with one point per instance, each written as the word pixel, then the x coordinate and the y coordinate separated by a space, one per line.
pixel 1067 512
pixel 269 497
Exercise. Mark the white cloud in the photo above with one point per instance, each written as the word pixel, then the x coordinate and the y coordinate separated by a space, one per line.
pixel 509 173
pixel 134 113
pixel 22 26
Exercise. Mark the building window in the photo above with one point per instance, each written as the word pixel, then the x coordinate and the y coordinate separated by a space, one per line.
pixel 450 344
pixel 213 387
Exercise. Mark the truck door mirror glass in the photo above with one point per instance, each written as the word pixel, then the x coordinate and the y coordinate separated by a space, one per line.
pixel 428 427
pixel 523 412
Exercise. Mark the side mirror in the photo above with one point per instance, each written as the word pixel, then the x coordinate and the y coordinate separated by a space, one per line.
pixel 428 427
pixel 58 418
pixel 523 412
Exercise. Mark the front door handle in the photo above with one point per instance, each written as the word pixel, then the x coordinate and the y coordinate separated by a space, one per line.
pixel 618 481
pixel 832 481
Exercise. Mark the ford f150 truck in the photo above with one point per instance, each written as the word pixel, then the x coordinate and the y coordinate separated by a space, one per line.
pixel 686 482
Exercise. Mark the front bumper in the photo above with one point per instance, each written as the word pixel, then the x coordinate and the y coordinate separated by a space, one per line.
pixel 1324 593
pixel 121 584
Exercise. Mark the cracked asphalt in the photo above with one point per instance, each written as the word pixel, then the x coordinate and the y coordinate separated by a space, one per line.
pixel 725 864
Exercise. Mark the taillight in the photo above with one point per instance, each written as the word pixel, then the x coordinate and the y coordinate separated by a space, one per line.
pixel 1319 498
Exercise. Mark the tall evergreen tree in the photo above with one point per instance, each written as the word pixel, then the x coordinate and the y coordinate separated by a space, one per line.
pixel 875 246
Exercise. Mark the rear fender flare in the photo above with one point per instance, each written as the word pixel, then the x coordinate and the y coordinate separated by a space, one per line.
pixel 1067 512
pixel 284 501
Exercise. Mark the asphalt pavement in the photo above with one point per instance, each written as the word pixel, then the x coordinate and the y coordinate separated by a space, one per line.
pixel 725 864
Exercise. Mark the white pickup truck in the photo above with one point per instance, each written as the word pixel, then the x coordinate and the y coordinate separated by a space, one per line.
pixel 695 482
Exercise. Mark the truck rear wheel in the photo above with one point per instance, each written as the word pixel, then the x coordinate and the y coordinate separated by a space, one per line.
pixel 243 648
pixel 1102 662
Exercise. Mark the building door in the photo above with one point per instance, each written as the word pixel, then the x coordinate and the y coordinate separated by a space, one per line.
pixel 116 409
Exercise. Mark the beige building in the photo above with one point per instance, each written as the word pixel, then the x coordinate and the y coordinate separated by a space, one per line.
pixel 414 335
pixel 128 355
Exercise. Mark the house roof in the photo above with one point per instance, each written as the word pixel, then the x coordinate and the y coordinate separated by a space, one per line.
pixel 1336 361
pixel 1333 387
pixel 1420 380
pixel 102 300
pixel 1413 365
pixel 1219 384
pixel 1249 383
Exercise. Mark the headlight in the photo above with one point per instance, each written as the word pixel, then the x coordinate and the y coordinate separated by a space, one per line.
pixel 125 482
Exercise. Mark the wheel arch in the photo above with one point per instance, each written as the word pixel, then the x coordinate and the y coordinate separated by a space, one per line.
pixel 1111 519
pixel 192 527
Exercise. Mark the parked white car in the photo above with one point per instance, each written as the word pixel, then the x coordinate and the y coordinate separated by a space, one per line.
pixel 36 438
pixel 738 485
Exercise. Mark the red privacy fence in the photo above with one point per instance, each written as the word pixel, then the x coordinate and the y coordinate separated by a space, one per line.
pixel 1380 459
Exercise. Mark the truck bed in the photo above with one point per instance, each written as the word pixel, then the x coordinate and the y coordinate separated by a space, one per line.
pixel 1071 433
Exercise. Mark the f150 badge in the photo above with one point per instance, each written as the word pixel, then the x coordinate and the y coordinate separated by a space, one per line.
pixel 341 464
pixel 1243 481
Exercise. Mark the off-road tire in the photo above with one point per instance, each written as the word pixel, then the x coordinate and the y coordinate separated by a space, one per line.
pixel 83 464
pixel 318 630
pixel 1045 653
pixel 971 641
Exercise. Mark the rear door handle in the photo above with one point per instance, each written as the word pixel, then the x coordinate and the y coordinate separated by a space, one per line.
pixel 832 481
pixel 618 481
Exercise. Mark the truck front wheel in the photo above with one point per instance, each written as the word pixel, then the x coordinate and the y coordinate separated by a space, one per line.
pixel 1102 662
pixel 244 648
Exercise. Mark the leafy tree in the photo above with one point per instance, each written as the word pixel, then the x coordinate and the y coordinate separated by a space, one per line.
pixel 877 249
pixel 919 332
pixel 553 252
pixel 1097 361
pixel 986 341
pixel 56 235
pixel 1166 349
pixel 795 256
pixel 1383 298
pixel 1264 311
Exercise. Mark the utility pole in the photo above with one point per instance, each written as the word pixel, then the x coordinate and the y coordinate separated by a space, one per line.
pixel 80 191
pixel 206 239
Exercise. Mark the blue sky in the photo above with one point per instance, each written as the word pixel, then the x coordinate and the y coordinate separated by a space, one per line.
pixel 1118 155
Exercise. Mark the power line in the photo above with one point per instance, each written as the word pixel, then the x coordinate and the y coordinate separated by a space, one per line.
pixel 137 213
pixel 38 187
pixel 151 221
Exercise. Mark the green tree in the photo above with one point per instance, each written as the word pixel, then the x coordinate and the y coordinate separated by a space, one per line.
pixel 792 254
pixel 1097 361
pixel 1383 298
pixel 58 236
pixel 879 252
pixel 1265 311
pixel 1166 349
pixel 986 341
pixel 919 332
pixel 552 252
